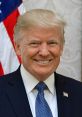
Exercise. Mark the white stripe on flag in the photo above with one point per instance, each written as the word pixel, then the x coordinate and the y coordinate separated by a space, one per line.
pixel 21 9
pixel 8 56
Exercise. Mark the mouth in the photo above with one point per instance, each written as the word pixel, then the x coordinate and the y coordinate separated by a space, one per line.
pixel 43 62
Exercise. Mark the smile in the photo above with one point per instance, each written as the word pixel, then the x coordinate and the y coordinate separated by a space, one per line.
pixel 43 62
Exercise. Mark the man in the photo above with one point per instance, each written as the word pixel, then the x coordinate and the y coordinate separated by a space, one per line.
pixel 36 87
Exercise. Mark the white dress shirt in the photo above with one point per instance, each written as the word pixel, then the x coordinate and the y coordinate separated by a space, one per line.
pixel 50 95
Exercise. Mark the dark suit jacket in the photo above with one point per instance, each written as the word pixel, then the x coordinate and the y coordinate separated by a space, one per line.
pixel 14 102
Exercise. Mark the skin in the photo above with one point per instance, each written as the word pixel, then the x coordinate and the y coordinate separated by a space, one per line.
pixel 40 50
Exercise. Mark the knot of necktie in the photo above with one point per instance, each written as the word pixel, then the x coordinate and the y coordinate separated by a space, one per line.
pixel 41 86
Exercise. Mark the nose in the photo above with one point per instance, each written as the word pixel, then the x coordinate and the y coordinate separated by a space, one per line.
pixel 44 50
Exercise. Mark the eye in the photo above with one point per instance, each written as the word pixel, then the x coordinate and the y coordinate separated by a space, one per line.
pixel 53 43
pixel 34 44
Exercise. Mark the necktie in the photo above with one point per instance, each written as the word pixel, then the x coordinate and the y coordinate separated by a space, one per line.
pixel 41 106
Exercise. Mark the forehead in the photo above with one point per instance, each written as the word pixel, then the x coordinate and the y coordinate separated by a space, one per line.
pixel 42 32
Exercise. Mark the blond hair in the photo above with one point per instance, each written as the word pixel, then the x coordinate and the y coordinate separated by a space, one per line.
pixel 37 17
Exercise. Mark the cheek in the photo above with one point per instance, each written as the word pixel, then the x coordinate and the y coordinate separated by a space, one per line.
pixel 29 52
pixel 57 51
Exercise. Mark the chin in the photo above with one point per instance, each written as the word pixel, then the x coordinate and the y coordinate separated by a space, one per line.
pixel 43 74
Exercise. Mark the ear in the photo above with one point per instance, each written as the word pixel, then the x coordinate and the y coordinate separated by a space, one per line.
pixel 17 48
pixel 62 47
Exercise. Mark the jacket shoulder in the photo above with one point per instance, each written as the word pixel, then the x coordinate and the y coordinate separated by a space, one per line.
pixel 9 77
pixel 66 78
pixel 68 81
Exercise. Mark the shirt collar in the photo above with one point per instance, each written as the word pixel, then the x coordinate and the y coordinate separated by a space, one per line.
pixel 50 82
pixel 30 81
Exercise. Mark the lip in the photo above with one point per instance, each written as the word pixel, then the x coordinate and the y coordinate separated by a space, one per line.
pixel 43 62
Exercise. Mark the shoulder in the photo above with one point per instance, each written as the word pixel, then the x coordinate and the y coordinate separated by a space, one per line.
pixel 66 78
pixel 68 81
pixel 9 77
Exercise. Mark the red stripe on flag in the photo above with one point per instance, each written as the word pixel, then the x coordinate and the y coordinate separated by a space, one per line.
pixel 1 70
pixel 10 22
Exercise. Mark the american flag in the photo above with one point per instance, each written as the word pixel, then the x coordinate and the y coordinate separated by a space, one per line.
pixel 9 11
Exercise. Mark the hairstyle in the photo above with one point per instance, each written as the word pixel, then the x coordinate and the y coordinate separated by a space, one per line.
pixel 37 17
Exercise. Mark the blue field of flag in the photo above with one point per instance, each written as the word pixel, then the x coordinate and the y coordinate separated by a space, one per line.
pixel 8 6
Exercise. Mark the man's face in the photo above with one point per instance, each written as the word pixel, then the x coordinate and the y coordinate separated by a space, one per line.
pixel 40 50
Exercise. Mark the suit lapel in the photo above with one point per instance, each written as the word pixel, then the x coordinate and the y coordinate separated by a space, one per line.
pixel 17 96
pixel 63 96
